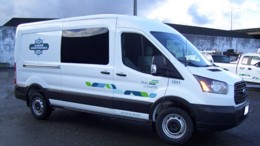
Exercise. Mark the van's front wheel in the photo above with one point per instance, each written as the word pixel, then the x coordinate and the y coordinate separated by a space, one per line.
pixel 39 106
pixel 174 126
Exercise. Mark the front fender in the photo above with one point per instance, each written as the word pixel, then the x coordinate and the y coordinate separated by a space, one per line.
pixel 175 101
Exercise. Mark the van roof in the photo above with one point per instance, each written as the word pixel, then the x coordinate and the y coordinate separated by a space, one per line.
pixel 99 16
pixel 122 21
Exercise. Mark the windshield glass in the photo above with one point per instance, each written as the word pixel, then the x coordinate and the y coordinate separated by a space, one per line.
pixel 221 59
pixel 181 49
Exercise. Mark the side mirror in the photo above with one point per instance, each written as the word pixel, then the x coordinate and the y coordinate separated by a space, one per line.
pixel 162 67
pixel 257 64
pixel 159 65
pixel 153 69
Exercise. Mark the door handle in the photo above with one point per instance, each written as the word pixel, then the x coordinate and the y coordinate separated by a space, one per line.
pixel 249 68
pixel 105 72
pixel 121 74
pixel 242 68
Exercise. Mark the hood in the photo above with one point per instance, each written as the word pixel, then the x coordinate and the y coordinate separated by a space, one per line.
pixel 215 73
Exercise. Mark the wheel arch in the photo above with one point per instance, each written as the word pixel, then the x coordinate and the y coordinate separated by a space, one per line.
pixel 36 87
pixel 171 101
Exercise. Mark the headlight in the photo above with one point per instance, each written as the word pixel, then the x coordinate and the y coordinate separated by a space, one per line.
pixel 212 86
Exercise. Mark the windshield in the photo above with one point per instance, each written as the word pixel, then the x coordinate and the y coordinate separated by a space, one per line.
pixel 181 49
pixel 221 59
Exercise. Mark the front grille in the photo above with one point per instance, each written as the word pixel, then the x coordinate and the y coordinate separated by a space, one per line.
pixel 240 92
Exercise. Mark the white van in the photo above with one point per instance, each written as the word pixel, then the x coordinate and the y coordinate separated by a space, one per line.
pixel 129 67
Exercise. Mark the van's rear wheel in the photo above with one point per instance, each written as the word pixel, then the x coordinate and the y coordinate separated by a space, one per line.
pixel 174 126
pixel 39 106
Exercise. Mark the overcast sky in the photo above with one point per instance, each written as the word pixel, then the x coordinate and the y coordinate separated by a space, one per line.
pixel 204 13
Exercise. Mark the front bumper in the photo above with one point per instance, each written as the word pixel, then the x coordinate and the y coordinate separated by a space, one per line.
pixel 212 118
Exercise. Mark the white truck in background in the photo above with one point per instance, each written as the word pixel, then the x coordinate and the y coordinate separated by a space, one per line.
pixel 248 67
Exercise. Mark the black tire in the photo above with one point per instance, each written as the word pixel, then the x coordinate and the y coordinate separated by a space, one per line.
pixel 174 126
pixel 39 106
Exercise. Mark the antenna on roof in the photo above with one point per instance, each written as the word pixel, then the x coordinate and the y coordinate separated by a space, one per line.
pixel 135 7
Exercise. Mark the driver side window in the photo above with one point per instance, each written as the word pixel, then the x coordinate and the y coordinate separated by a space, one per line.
pixel 137 52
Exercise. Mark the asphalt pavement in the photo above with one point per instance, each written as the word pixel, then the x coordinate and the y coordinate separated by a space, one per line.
pixel 64 127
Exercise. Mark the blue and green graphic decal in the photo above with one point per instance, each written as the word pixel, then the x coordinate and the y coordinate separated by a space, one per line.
pixel 153 82
pixel 101 85
pixel 138 93
pixel 247 75
pixel 126 92
pixel 256 78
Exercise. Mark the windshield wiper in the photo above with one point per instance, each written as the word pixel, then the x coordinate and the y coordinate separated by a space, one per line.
pixel 208 65
pixel 188 63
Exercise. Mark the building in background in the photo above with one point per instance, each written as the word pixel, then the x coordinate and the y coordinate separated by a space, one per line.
pixel 7 39
pixel 204 39
pixel 254 32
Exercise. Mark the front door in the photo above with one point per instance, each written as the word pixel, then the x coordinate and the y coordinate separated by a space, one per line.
pixel 136 89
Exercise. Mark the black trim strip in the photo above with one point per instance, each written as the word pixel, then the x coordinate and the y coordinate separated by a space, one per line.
pixel 101 101
pixel 81 98
pixel 132 105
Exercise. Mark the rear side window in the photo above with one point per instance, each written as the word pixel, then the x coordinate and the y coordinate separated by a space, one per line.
pixel 88 46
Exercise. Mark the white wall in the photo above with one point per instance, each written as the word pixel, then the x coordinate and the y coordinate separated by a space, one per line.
pixel 221 43
pixel 7 41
